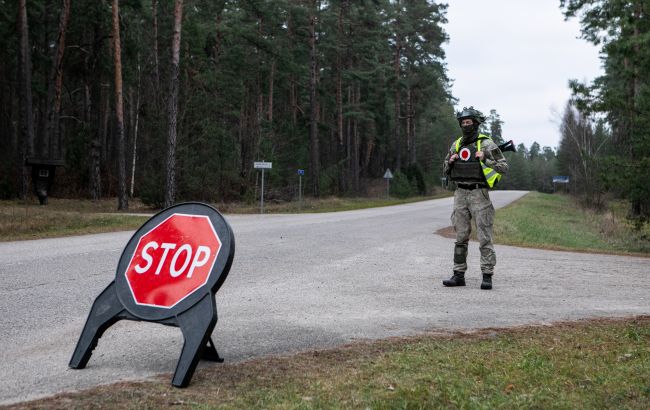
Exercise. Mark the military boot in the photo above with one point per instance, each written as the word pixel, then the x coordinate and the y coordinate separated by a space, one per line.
pixel 487 281
pixel 457 280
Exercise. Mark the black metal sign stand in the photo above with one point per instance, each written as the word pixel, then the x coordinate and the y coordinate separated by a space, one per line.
pixel 196 315
pixel 196 324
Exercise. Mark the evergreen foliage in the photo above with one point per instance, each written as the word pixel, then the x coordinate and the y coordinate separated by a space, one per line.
pixel 382 99
pixel 243 94
pixel 621 95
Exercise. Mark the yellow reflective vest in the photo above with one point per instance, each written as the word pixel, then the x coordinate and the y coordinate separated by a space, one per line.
pixel 491 176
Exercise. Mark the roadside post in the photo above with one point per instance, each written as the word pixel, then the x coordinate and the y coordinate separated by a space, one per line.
pixel 301 172
pixel 388 176
pixel 262 165
pixel 169 273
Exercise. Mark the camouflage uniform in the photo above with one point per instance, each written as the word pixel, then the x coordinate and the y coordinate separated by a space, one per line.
pixel 475 203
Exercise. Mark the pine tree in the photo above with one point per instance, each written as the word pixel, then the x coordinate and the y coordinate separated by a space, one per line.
pixel 119 109
pixel 623 92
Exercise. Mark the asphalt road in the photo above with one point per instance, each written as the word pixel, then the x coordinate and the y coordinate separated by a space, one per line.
pixel 298 282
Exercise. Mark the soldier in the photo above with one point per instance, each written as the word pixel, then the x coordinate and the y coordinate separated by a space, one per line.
pixel 476 164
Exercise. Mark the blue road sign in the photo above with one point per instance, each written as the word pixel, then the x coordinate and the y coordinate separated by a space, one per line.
pixel 301 172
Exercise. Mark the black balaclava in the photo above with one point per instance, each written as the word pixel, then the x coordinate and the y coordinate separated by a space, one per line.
pixel 470 133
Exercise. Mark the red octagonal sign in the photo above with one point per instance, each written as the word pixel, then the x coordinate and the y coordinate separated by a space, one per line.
pixel 173 260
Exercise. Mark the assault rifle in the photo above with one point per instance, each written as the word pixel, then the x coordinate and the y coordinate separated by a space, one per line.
pixel 507 146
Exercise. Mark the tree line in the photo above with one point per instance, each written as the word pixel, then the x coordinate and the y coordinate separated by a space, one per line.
pixel 530 168
pixel 605 143
pixel 170 99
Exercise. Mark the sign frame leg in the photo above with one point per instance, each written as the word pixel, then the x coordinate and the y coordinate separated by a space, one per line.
pixel 197 324
pixel 106 311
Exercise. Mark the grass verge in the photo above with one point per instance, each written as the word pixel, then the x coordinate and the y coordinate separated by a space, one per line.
pixel 558 222
pixel 588 364
pixel 20 220
pixel 328 204
pixel 63 217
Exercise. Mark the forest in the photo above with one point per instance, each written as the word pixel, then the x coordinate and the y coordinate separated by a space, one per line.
pixel 605 131
pixel 172 100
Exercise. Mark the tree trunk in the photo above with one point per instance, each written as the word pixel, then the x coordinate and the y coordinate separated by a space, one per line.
pixel 396 131
pixel 52 133
pixel 271 77
pixel 93 96
pixel 243 150
pixel 96 102
pixel 135 133
pixel 355 145
pixel 259 105
pixel 25 96
pixel 339 72
pixel 313 104
pixel 397 73
pixel 410 126
pixel 172 106
pixel 41 144
pixel 348 144
pixel 156 64
pixel 122 199
pixel 95 166
pixel 259 116
pixel 219 38
pixel 345 183
pixel 638 8
pixel 105 117
pixel 292 81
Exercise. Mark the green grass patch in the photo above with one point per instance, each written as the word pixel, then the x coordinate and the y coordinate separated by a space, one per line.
pixel 558 222
pixel 597 364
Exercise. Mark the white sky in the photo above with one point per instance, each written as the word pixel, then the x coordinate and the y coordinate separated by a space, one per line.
pixel 517 56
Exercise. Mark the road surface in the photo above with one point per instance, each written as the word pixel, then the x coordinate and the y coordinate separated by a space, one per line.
pixel 297 282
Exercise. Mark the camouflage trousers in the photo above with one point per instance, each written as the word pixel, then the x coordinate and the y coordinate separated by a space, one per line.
pixel 475 204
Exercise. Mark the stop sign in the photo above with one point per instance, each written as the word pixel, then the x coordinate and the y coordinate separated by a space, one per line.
pixel 173 260
pixel 169 273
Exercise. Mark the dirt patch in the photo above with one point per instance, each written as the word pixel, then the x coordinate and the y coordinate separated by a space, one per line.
pixel 448 232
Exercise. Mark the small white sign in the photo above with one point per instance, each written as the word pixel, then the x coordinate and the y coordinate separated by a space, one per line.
pixel 262 165
pixel 388 174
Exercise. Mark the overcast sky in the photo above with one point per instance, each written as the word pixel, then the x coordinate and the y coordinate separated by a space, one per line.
pixel 516 56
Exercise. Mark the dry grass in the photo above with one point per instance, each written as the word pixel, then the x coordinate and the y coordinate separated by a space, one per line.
pixel 63 217
pixel 326 204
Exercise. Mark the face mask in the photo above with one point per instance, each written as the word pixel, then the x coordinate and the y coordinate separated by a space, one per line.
pixel 468 130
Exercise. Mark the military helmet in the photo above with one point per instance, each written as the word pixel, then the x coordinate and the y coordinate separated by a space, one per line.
pixel 472 113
